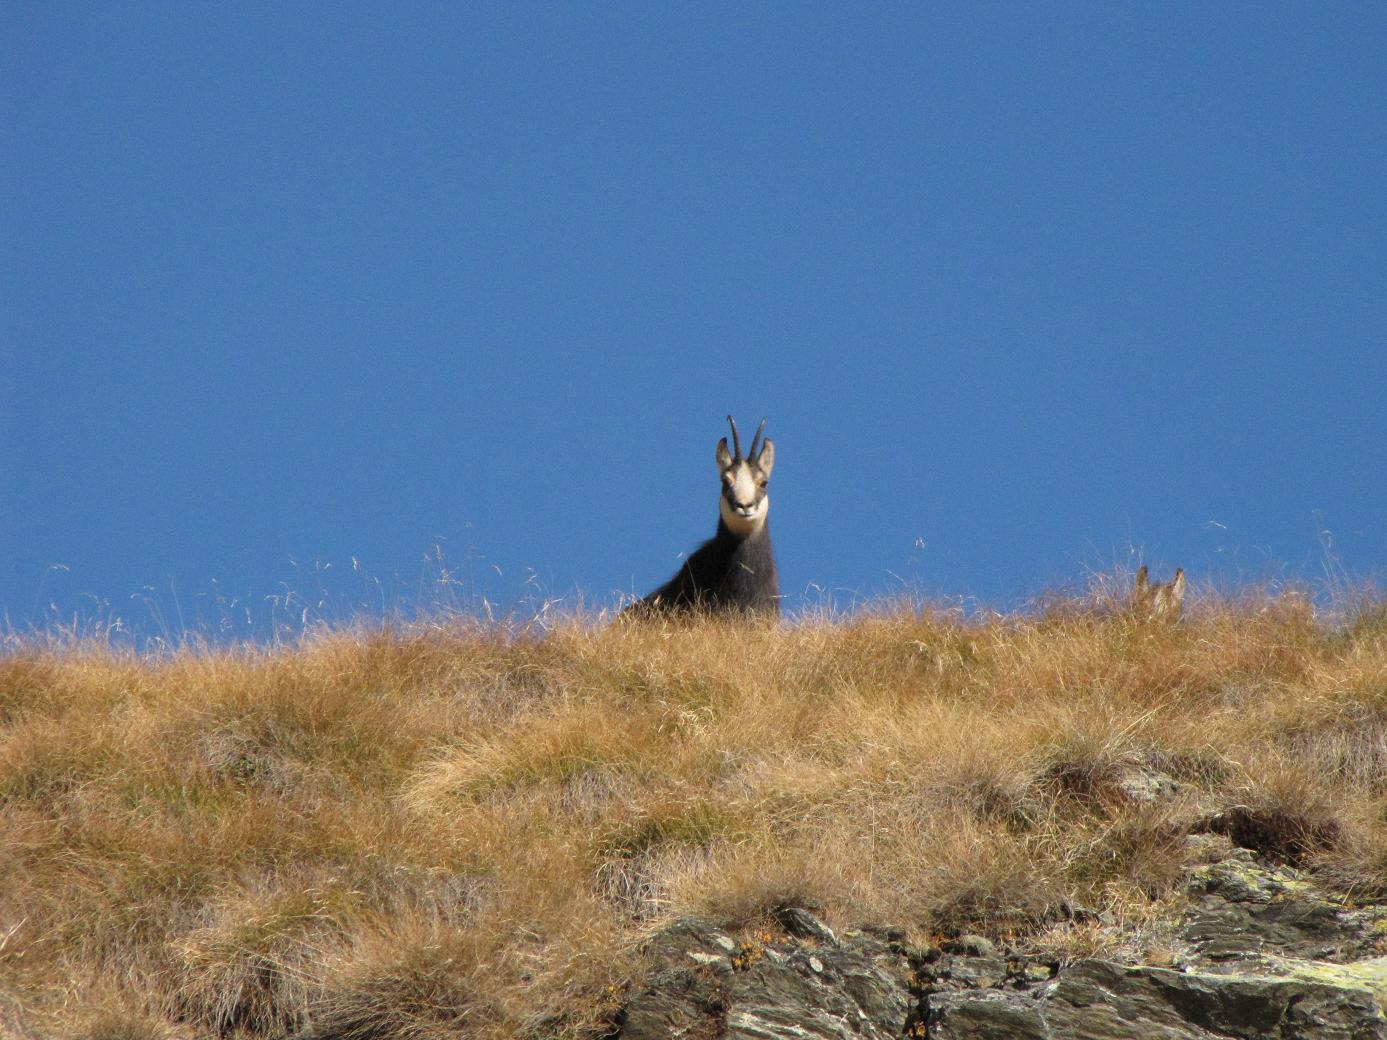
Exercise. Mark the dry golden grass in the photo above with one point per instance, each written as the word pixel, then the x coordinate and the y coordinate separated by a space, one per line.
pixel 464 831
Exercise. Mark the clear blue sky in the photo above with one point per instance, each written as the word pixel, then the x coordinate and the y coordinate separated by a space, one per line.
pixel 1021 288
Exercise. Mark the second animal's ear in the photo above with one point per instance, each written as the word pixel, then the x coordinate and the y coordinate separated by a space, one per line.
pixel 1141 577
pixel 1178 585
pixel 767 457
pixel 724 456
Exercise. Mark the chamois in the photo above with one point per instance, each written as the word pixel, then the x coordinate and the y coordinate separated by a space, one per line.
pixel 734 571
pixel 1163 600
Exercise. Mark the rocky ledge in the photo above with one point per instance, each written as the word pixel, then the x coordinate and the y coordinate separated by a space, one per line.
pixel 1259 952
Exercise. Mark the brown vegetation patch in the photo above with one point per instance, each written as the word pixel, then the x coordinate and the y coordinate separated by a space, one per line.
pixel 464 831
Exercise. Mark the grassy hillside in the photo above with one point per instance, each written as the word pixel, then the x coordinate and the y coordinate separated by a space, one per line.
pixel 404 835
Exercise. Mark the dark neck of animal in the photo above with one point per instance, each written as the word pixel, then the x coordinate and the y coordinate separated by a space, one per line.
pixel 733 572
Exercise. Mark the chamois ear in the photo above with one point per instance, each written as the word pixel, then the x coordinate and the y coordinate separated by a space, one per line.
pixel 724 456
pixel 766 459
pixel 1141 581
pixel 1178 585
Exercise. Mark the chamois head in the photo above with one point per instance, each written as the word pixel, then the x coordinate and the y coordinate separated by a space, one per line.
pixel 744 503
pixel 1162 600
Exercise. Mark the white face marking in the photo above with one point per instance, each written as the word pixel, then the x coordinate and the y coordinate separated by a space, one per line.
pixel 743 485
pixel 744 502
pixel 744 524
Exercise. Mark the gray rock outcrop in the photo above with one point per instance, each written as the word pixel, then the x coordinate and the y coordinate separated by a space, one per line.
pixel 708 984
pixel 1260 953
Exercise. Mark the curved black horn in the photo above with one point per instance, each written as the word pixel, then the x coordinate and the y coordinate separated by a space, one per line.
pixel 754 452
pixel 736 441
